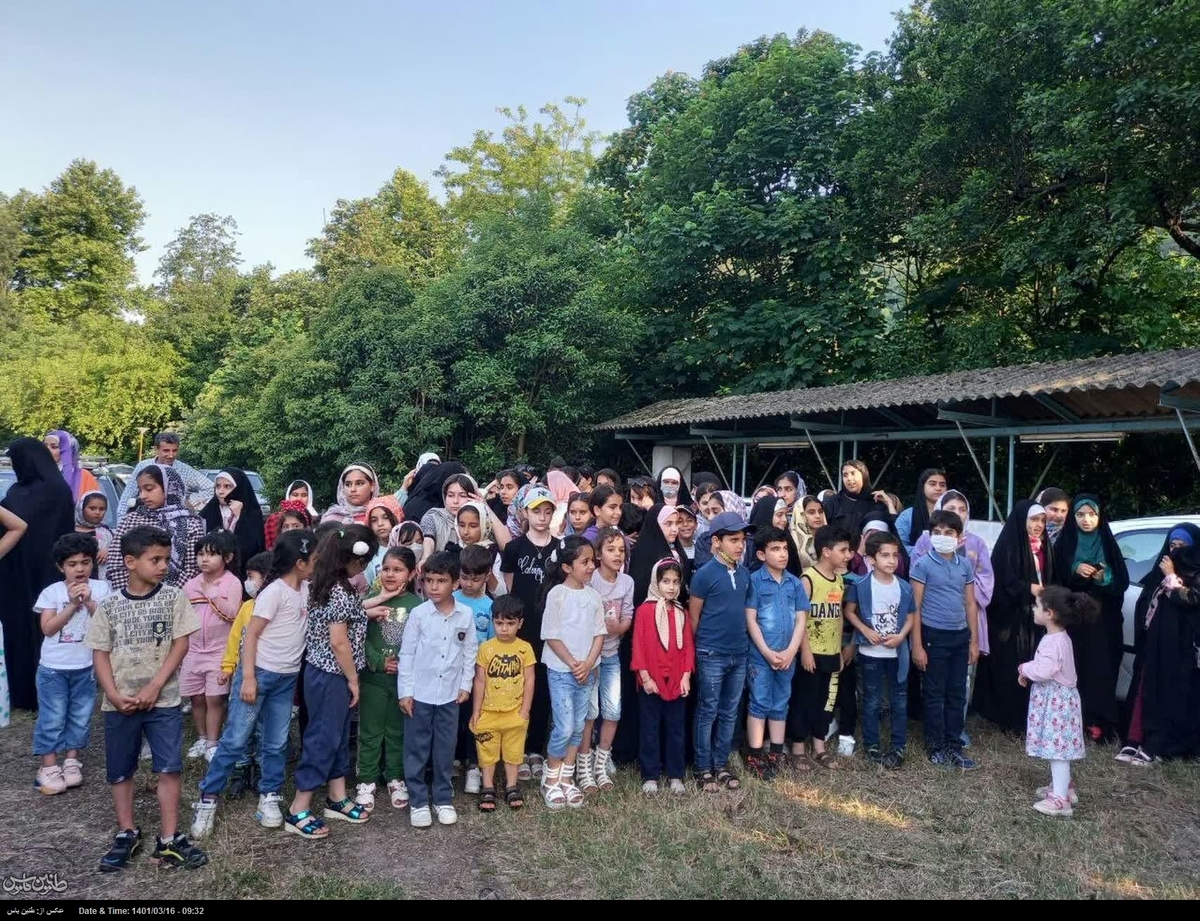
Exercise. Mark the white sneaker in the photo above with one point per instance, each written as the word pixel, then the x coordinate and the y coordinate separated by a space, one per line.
pixel 398 792
pixel 833 728
pixel 420 817
pixel 198 749
pixel 650 787
pixel 146 754
pixel 269 814
pixel 846 746
pixel 677 787
pixel 202 821
pixel 50 780
pixel 186 707
pixel 72 770
pixel 365 796
pixel 474 782
pixel 210 753
pixel 447 815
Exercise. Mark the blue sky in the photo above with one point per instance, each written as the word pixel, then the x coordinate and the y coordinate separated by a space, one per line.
pixel 270 112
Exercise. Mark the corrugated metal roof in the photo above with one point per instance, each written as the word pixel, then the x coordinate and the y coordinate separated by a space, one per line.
pixel 1084 377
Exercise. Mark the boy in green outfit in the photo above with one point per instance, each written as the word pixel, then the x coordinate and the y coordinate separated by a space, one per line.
pixel 381 724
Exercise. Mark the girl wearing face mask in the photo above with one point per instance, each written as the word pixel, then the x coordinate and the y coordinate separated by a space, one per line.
pixel 848 507
pixel 1087 559
pixel 672 488
pixel 1023 564
pixel 357 486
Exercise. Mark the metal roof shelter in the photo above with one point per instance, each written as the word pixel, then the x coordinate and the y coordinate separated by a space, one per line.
pixel 1090 399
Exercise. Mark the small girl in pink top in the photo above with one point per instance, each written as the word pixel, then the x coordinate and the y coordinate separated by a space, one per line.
pixel 1054 730
pixel 216 596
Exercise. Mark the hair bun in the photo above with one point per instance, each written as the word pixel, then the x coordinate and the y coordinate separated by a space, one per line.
pixel 360 548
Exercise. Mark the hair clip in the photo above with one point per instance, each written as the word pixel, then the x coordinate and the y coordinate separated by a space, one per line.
pixel 360 548
pixel 341 532
pixel 304 545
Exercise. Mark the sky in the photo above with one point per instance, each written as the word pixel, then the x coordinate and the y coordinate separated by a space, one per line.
pixel 271 111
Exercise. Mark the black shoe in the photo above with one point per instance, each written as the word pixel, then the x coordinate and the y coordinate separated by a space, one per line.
pixel 758 765
pixel 875 756
pixel 893 760
pixel 179 852
pixel 125 845
pixel 238 783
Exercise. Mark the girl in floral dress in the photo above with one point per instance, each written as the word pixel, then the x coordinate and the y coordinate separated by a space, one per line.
pixel 1054 729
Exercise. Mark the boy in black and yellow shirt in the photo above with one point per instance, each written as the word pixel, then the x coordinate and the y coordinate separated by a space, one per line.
pixel 815 684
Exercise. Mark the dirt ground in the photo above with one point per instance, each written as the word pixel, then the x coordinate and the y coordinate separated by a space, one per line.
pixel 856 832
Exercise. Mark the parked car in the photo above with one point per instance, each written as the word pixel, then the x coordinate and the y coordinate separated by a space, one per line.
pixel 111 484
pixel 260 490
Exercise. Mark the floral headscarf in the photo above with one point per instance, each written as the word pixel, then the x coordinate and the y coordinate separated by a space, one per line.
pixel 343 511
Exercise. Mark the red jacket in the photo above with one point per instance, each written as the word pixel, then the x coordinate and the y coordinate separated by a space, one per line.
pixel 665 666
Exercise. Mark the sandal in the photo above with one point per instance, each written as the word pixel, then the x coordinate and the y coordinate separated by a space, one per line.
pixel 707 782
pixel 513 797
pixel 801 763
pixel 553 794
pixel 567 782
pixel 826 759
pixel 487 799
pixel 346 811
pixel 306 825
pixel 729 780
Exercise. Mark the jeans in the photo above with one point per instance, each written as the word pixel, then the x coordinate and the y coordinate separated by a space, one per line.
pixel 66 699
pixel 879 676
pixel 429 739
pixel 325 753
pixel 944 687
pixel 661 717
pixel 569 703
pixel 720 679
pixel 605 701
pixel 272 711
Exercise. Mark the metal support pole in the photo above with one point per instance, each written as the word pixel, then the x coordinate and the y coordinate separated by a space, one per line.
pixel 841 458
pixel 882 470
pixel 733 461
pixel 992 476
pixel 717 462
pixel 854 448
pixel 1188 435
pixel 745 463
pixel 1050 463
pixel 639 457
pixel 821 461
pixel 774 461
pixel 978 468
pixel 1012 471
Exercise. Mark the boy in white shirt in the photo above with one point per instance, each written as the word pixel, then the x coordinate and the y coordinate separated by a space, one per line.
pixel 436 673
pixel 66 683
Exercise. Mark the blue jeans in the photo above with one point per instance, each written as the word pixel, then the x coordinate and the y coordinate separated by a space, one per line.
pixel 325 748
pixel 66 699
pixel 877 675
pixel 720 679
pixel 272 711
pixel 161 727
pixel 605 701
pixel 944 687
pixel 770 690
pixel 569 705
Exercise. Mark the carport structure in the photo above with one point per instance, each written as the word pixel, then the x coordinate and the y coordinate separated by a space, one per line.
pixel 1083 400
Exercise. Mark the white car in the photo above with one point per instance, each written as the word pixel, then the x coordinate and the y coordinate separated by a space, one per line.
pixel 1140 540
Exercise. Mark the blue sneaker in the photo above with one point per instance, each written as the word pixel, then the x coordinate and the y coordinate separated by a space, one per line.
pixel 965 739
pixel 962 762
pixel 938 758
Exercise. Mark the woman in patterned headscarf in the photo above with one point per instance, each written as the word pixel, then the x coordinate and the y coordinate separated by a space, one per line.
pixel 161 504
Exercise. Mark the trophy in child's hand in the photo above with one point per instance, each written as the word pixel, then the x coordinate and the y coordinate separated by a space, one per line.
pixel 393 626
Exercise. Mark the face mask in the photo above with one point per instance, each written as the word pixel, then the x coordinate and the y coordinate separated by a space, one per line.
pixel 670 492
pixel 252 587
pixel 1052 529
pixel 944 543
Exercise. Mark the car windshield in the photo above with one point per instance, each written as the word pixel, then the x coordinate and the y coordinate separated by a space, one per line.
pixel 7 478
pixel 255 481
pixel 1140 549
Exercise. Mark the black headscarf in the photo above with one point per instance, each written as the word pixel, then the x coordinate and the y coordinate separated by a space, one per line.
pixel 920 508
pixel 761 516
pixel 496 504
pixel 248 529
pixel 905 564
pixel 847 510
pixel 43 500
pixel 651 547
pixel 1064 554
pixel 1154 578
pixel 426 491
pixel 699 479
pixel 1016 570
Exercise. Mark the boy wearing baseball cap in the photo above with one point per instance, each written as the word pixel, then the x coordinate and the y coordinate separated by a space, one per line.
pixel 524 563
pixel 717 607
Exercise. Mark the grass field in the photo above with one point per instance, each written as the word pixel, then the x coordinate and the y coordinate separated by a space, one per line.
pixel 856 832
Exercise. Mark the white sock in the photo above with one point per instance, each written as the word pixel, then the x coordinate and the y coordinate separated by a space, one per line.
pixel 1060 775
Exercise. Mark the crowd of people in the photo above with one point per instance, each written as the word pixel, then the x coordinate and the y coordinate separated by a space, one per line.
pixel 553 625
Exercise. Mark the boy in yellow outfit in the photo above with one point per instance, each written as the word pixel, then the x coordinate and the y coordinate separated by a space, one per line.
pixel 501 699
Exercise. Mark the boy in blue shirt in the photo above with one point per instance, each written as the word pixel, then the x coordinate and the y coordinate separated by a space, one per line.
pixel 880 607
pixel 717 610
pixel 775 612
pixel 474 566
pixel 945 639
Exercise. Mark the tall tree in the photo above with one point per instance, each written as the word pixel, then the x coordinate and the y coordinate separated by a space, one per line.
pixel 401 227
pixel 204 252
pixel 78 239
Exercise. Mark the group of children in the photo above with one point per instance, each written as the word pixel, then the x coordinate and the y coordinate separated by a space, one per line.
pixel 455 673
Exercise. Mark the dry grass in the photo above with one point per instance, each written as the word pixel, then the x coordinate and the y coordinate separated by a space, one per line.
pixel 855 832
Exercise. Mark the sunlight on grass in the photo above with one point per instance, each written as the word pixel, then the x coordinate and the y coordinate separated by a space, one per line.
pixel 855 808
pixel 1124 886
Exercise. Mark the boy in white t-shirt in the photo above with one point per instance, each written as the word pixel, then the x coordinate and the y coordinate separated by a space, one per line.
pixel 66 684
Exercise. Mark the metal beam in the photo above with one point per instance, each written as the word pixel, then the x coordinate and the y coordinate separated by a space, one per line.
pixel 808 425
pixel 1188 435
pixel 716 433
pixel 639 457
pixel 982 475
pixel 1050 463
pixel 1012 471
pixel 637 436
pixel 821 461
pixel 893 417
pixel 974 418
pixel 718 463
pixel 886 464
pixel 1056 407
pixel 774 460
pixel 1188 404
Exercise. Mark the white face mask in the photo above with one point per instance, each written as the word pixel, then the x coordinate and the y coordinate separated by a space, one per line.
pixel 252 587
pixel 944 543
pixel 669 491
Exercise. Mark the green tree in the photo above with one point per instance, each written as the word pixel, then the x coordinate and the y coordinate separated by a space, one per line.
pixel 99 377
pixel 77 242
pixel 491 176
pixel 401 227
pixel 204 252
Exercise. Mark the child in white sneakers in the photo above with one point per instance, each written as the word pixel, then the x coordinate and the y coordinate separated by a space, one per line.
pixel 1055 726
pixel 66 683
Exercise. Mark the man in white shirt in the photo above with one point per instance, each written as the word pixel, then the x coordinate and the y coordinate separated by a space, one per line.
pixel 166 450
